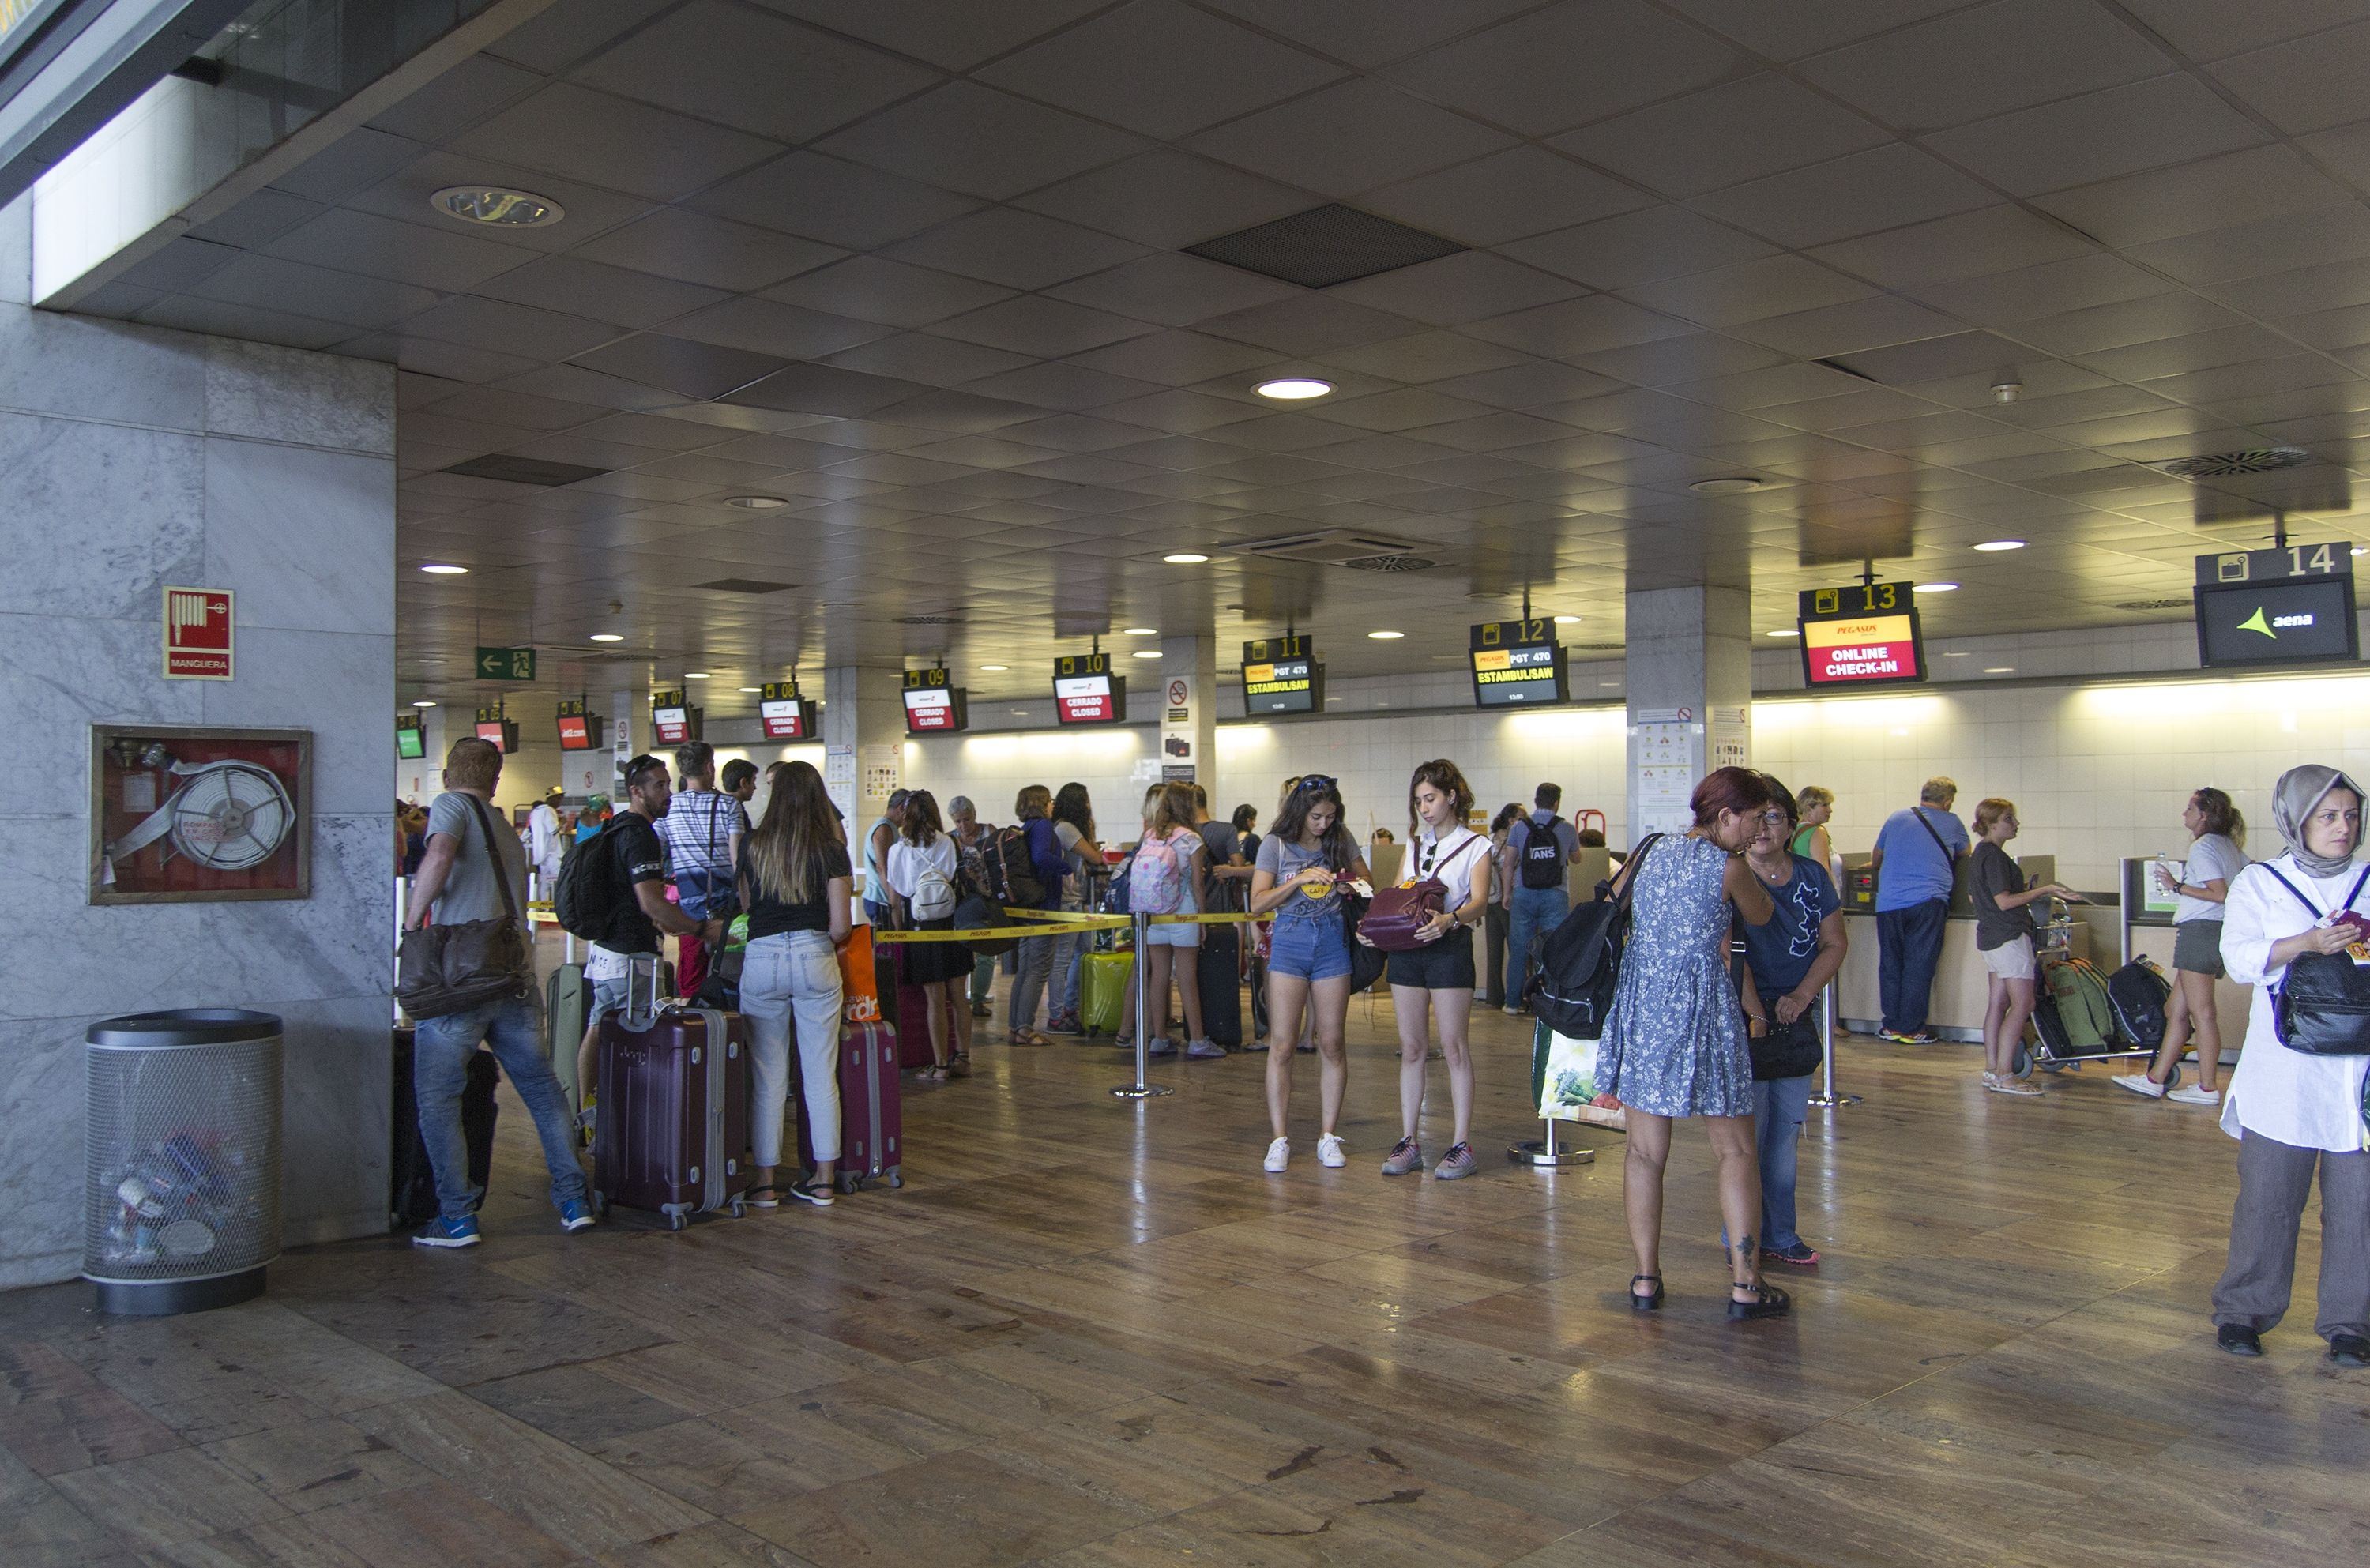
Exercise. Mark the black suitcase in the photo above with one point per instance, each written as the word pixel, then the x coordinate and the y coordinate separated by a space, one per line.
pixel 1218 976
pixel 411 1181
pixel 2048 1029
pixel 2139 994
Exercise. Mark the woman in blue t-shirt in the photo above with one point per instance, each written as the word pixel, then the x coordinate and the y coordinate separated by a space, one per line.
pixel 1791 959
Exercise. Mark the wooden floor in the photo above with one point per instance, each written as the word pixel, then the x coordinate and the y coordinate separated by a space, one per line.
pixel 1095 1334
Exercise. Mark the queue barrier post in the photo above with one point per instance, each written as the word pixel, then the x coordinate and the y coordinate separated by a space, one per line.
pixel 1544 1153
pixel 1140 1090
pixel 1827 1099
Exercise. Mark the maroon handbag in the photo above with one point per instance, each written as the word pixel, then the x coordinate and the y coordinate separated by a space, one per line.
pixel 1397 913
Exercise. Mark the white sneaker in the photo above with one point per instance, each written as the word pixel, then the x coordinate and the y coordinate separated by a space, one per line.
pixel 1328 1152
pixel 2190 1094
pixel 1278 1155
pixel 2140 1083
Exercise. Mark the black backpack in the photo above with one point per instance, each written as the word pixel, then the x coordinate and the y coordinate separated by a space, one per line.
pixel 1579 962
pixel 1543 858
pixel 585 894
pixel 1022 888
pixel 2139 996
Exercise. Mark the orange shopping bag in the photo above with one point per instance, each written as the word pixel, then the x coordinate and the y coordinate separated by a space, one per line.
pixel 859 991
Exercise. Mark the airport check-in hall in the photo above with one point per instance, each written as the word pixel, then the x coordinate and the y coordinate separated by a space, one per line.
pixel 1273 782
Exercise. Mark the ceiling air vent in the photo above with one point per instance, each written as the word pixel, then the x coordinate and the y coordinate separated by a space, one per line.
pixel 2181 604
pixel 2235 465
pixel 1325 246
pixel 1391 563
pixel 740 585
pixel 1337 547
pixel 930 621
pixel 519 470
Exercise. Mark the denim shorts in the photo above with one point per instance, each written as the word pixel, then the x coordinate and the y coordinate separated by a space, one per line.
pixel 608 996
pixel 1180 935
pixel 1308 947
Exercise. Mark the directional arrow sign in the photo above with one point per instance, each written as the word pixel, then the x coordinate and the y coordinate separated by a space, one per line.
pixel 506 663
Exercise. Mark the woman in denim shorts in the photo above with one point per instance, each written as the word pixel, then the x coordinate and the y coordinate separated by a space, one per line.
pixel 1304 855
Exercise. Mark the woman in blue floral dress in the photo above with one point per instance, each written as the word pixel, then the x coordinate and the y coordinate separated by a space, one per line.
pixel 1674 1041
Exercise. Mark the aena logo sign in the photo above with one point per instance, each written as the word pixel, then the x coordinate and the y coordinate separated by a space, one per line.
pixel 2267 624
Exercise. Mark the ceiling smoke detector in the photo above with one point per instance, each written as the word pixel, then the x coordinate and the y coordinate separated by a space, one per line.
pixel 2007 389
pixel 497 206
pixel 2235 465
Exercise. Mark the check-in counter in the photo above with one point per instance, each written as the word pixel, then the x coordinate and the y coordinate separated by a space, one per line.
pixel 2147 933
pixel 1962 983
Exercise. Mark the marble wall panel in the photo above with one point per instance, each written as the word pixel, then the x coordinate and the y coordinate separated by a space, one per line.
pixel 295 526
pixel 100 517
pixel 41 1149
pixel 269 393
pixel 87 368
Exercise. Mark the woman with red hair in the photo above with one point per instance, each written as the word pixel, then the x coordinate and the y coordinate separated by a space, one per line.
pixel 1674 1041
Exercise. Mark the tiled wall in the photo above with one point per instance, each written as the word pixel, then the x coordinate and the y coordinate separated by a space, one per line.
pixel 137 458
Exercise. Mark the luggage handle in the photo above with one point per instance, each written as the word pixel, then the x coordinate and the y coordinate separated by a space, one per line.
pixel 641 990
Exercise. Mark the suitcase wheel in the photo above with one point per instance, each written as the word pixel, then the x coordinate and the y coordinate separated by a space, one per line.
pixel 848 1182
pixel 2172 1079
pixel 676 1222
pixel 600 1206
pixel 739 1209
pixel 896 1178
pixel 2023 1062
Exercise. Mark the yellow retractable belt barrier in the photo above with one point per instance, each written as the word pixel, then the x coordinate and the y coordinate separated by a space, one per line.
pixel 1054 923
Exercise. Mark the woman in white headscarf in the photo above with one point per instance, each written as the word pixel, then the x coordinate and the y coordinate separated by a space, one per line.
pixel 2292 1111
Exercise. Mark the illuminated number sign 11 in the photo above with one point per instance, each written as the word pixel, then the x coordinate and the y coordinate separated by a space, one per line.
pixel 1281 674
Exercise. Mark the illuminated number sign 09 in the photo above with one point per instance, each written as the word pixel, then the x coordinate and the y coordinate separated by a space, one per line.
pixel 1517 663
pixel 932 706
pixel 1862 634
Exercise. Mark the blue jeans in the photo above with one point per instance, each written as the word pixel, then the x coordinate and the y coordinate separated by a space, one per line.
pixel 1780 1106
pixel 1069 965
pixel 1036 956
pixel 1536 912
pixel 440 1066
pixel 1908 950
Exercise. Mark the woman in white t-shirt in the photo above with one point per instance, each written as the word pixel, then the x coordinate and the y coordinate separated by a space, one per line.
pixel 923 867
pixel 2291 1109
pixel 1433 983
pixel 2203 883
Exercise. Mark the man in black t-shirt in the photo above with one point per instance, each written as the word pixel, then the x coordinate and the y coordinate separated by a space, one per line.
pixel 634 880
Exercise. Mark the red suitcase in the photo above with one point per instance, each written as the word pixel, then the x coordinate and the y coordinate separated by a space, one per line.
pixel 914 1025
pixel 871 1110
pixel 673 1134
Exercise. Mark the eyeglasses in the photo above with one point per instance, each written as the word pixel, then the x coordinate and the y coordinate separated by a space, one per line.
pixel 1317 781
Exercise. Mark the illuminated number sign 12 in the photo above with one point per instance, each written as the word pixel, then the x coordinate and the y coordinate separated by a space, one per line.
pixel 1861 634
pixel 1517 663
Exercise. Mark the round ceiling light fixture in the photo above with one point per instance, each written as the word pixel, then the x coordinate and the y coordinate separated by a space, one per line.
pixel 2001 545
pixel 1385 635
pixel 1933 587
pixel 1567 620
pixel 444 569
pixel 422 702
pixel 1185 558
pixel 497 206
pixel 998 668
pixel 755 502
pixel 1294 389
pixel 697 675
pixel 1735 484
pixel 608 637
pixel 1147 652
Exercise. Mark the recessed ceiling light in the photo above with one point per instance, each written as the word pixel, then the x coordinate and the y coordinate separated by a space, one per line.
pixel 752 688
pixel 1147 652
pixel 1140 631
pixel 1999 669
pixel 1933 587
pixel 440 568
pixel 498 206
pixel 1738 484
pixel 608 637
pixel 1185 558
pixel 422 702
pixel 996 667
pixel 1293 389
pixel 1953 654
pixel 1782 631
pixel 2001 545
pixel 1385 635
pixel 755 502
pixel 697 675
pixel 2359 551
pixel 1567 620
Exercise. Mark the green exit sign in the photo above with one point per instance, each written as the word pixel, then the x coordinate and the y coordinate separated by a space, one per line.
pixel 506 663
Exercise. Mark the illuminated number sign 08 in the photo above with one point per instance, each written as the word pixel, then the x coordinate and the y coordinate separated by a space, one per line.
pixel 1863 634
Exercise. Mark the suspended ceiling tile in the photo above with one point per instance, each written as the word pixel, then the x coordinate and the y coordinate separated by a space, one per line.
pixel 1172 289
pixel 2305 84
pixel 678 364
pixel 2148 124
pixel 1806 27
pixel 871 288
pixel 962 137
pixel 266 282
pixel 2082 332
pixel 933 361
pixel 406 253
pixel 755 71
pixel 1161 68
pixel 832 199
pixel 604 140
pixel 2219 192
pixel 1309 324
pixel 2213 29
pixel 602 293
pixel 1166 199
pixel 1350 138
pixel 1175 359
pixel 1989 239
pixel 1987 61
pixel 1581 60
pixel 711 252
pixel 1997 299
pixel 1883 188
pixel 1687 356
pixel 1529 384
pixel 2297 239
pixel 1750 291
pixel 230 318
pixel 1850 329
pixel 769 326
pixel 1762 124
pixel 955 34
pixel 1504 196
pixel 1577 327
pixel 1031 323
pixel 1459 288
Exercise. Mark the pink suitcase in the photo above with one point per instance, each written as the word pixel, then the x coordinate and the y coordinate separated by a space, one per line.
pixel 673 1134
pixel 871 1110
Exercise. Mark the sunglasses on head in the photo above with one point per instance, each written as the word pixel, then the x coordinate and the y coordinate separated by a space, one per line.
pixel 1317 781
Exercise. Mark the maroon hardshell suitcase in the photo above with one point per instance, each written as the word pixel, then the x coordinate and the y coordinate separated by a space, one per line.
pixel 871 1110
pixel 912 1024
pixel 673 1134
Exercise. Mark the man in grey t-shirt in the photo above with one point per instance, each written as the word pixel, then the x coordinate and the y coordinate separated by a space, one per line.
pixel 458 883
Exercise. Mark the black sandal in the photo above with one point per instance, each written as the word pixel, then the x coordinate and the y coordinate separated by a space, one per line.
pixel 1770 1302
pixel 1645 1303
pixel 773 1198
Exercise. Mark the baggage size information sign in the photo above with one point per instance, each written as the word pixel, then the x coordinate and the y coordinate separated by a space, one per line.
pixel 1866 634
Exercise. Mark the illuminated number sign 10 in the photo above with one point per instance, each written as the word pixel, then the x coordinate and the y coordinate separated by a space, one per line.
pixel 1085 692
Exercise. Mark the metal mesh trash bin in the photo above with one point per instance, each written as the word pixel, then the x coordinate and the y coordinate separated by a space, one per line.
pixel 182 1161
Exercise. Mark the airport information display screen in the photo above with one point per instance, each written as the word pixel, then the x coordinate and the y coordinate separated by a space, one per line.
pixel 1281 674
pixel 2293 606
pixel 1085 692
pixel 932 707
pixel 1517 663
pixel 501 732
pixel 410 740
pixel 1862 634
pixel 575 732
pixel 786 716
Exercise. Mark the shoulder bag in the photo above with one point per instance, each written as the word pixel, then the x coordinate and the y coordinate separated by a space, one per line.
pixel 2322 1007
pixel 1397 913
pixel 450 969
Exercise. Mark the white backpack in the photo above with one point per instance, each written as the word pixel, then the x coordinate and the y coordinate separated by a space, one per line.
pixel 934 895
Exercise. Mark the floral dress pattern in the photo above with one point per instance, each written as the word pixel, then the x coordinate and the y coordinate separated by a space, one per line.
pixel 1674 1042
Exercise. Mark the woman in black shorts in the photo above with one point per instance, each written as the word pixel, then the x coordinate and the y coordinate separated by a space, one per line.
pixel 1433 983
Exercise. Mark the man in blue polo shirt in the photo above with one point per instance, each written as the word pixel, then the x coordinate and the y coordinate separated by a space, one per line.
pixel 1916 859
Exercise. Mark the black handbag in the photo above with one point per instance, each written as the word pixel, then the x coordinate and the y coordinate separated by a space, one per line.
pixel 1366 963
pixel 449 969
pixel 2322 1009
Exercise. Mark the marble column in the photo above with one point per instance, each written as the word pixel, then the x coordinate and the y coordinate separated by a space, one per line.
pixel 138 457
pixel 864 747
pixel 1689 679
pixel 629 735
pixel 1192 660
